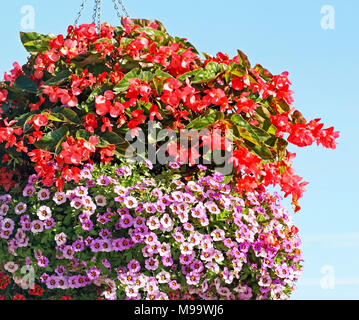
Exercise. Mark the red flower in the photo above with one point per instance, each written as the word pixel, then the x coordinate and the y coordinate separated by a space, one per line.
pixel 172 84
pixel 90 123
pixel 14 73
pixel 70 174
pixel 116 109
pixel 327 138
pixel 300 135
pixel 3 95
pixel 18 296
pixel 216 97
pixel 57 42
pixel 65 298
pixel 106 124
pixel 245 104
pixel 102 105
pixel 107 153
pixel 237 83
pixel 282 124
pixel 36 291
pixel 137 118
pixel 39 120
pixel 36 106
pixel 154 113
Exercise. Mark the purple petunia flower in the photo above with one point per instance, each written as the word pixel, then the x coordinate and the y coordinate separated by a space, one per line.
pixel 174 165
pixel 28 191
pixel 151 264
pixel 101 200
pixel 44 213
pixel 68 252
pixel 103 181
pixel 134 266
pixel 167 261
pixel 33 179
pixel 126 221
pixel 20 208
pixel 60 270
pixel 93 273
pixel 59 198
pixel 43 194
pixel 43 262
pixel 78 246
pixel 130 202
pixel 49 223
pixel 52 282
pixel 87 225
pixel 37 226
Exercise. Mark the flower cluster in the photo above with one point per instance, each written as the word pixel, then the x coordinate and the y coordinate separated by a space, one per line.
pixel 121 234
pixel 80 94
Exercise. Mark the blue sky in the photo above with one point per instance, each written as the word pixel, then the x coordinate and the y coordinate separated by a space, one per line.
pixel 281 35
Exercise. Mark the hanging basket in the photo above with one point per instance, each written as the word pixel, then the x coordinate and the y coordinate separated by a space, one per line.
pixel 89 223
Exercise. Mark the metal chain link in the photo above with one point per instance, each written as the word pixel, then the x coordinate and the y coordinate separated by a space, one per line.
pixel 80 12
pixel 94 15
pixel 123 8
pixel 118 9
pixel 99 16
pixel 97 12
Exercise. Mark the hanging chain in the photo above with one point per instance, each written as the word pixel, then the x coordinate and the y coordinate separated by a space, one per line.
pixel 80 12
pixel 118 10
pixel 123 8
pixel 97 12
pixel 99 16
pixel 94 15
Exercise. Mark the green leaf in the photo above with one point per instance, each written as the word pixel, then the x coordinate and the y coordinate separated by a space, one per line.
pixel 94 93
pixel 283 106
pixel 161 74
pixel 60 78
pixel 22 119
pixel 205 120
pixel 189 74
pixel 15 93
pixel 257 133
pixel 242 132
pixel 67 220
pixel 243 60
pixel 55 117
pixel 35 42
pixel 158 80
pixel 262 150
pixel 146 23
pixel 124 83
pixel 186 43
pixel 68 113
pixel 51 139
pixel 157 36
pixel 83 60
pixel 264 73
pixel 228 179
pixel 207 74
pixel 146 76
pixel 113 138
pixel 84 134
pixel 25 83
